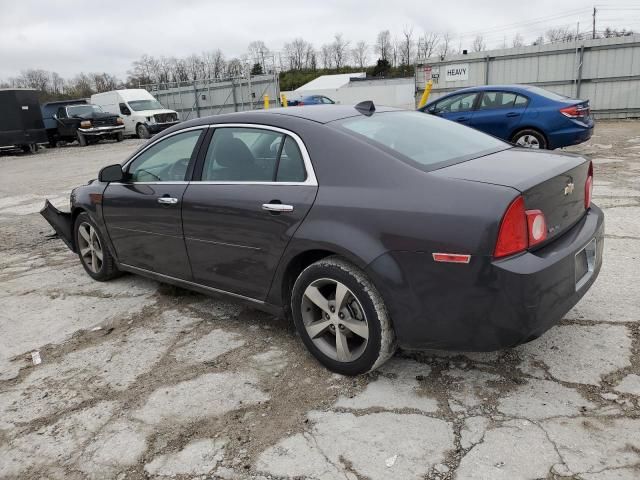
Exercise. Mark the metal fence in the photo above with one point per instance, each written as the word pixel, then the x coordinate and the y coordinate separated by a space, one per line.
pixel 201 98
pixel 604 71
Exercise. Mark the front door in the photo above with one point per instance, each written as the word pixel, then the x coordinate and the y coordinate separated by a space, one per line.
pixel 458 108
pixel 143 215
pixel 67 127
pixel 256 186
pixel 127 118
pixel 499 113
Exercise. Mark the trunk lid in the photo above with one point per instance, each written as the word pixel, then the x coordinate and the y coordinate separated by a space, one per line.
pixel 552 183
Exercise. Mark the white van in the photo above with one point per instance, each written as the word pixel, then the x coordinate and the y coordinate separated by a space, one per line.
pixel 143 115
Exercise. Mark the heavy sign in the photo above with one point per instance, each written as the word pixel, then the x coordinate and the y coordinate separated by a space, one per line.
pixel 457 72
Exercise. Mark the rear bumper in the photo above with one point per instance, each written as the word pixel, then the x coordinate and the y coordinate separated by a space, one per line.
pixel 575 133
pixel 158 127
pixel 62 223
pixel 485 305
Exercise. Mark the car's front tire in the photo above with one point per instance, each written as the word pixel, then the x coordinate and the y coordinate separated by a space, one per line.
pixel 341 317
pixel 529 138
pixel 82 140
pixel 93 251
pixel 142 131
pixel 119 137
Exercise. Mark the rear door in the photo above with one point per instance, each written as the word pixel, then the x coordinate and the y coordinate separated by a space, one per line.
pixel 499 113
pixel 143 215
pixel 458 108
pixel 249 195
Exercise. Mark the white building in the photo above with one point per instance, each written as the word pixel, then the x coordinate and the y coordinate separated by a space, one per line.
pixel 351 88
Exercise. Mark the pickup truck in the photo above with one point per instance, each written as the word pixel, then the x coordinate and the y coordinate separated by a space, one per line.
pixel 71 120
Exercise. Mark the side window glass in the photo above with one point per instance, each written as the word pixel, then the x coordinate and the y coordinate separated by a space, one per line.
pixel 166 161
pixel 239 154
pixel 124 110
pixel 491 100
pixel 458 103
pixel 291 165
pixel 62 113
pixel 521 101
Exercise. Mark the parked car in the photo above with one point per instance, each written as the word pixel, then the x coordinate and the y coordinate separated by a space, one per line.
pixel 310 100
pixel 370 228
pixel 21 125
pixel 527 116
pixel 70 120
pixel 143 115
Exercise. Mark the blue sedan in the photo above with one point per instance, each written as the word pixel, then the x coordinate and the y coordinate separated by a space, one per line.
pixel 310 100
pixel 524 115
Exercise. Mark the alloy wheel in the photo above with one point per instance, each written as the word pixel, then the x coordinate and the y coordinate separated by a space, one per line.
pixel 335 320
pixel 528 141
pixel 90 247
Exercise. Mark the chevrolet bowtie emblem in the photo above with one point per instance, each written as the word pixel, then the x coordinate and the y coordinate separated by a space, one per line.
pixel 569 188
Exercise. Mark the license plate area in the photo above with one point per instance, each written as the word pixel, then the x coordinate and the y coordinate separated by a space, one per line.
pixel 585 263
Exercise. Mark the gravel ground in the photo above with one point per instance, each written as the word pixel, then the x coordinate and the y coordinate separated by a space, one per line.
pixel 143 380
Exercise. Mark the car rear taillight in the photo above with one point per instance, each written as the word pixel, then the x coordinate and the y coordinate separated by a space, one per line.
pixel 537 226
pixel 588 188
pixel 575 111
pixel 512 237
pixel 519 229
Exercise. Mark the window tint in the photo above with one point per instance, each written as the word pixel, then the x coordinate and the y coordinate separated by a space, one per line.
pixel 521 101
pixel 291 165
pixel 422 140
pixel 491 100
pixel 457 103
pixel 242 155
pixel 327 100
pixel 165 161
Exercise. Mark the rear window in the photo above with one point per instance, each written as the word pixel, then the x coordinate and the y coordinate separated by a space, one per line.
pixel 426 141
pixel 548 94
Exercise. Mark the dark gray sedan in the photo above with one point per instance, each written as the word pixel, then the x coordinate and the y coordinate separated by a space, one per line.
pixel 371 228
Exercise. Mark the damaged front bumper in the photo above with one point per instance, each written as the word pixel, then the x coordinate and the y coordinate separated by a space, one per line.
pixel 61 222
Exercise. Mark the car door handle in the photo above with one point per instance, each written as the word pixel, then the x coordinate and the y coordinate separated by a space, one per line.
pixel 277 207
pixel 167 200
pixel 513 114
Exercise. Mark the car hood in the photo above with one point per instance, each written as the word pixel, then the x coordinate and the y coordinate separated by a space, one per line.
pixel 95 115
pixel 148 113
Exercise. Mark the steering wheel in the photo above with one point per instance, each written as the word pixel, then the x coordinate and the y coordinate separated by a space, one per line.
pixel 177 170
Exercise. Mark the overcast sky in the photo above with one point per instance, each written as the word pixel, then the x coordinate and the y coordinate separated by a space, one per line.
pixel 69 36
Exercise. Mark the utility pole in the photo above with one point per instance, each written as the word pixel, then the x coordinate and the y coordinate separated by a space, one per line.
pixel 593 33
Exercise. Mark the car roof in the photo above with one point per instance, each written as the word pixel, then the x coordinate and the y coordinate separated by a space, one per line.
pixel 315 113
pixel 482 88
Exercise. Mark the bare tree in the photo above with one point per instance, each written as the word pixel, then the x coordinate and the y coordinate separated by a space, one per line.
pixel 235 67
pixel 339 49
pixel 560 34
pixel 80 86
pixel 383 45
pixel 102 82
pixel 406 46
pixel 295 52
pixel 258 51
pixel 396 48
pixel 538 41
pixel 518 41
pixel 142 71
pixel 427 45
pixel 478 44
pixel 310 58
pixel 360 53
pixel 326 53
pixel 445 45
pixel 35 78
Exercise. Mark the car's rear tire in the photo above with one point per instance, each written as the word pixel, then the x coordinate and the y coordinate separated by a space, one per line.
pixel 142 131
pixel 93 251
pixel 352 338
pixel 529 138
pixel 82 140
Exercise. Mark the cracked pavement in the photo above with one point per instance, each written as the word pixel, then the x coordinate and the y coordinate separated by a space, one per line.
pixel 143 380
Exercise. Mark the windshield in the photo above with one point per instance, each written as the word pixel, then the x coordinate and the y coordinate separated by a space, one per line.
pixel 425 141
pixel 76 110
pixel 139 105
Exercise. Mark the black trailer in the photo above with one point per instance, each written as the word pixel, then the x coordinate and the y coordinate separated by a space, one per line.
pixel 21 124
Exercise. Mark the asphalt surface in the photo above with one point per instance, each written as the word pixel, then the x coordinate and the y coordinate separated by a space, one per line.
pixel 141 380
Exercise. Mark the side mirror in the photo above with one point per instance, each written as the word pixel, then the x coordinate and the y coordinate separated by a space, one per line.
pixel 112 173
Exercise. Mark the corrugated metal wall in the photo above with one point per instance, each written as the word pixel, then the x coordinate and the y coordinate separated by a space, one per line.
pixel 605 71
pixel 214 96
